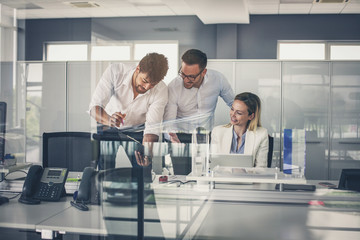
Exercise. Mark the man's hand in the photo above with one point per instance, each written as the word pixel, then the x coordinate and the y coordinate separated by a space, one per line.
pixel 142 160
pixel 174 138
pixel 100 115
pixel 117 119
pixel 150 138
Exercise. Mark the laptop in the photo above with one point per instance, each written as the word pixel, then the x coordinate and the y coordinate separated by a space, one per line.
pixel 231 160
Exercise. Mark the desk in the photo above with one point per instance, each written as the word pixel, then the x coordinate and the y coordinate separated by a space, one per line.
pixel 274 215
pixel 194 211
pixel 71 220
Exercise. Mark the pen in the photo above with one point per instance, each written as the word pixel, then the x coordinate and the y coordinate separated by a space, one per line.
pixel 130 138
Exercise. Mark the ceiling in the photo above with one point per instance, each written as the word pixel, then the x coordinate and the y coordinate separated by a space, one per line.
pixel 208 11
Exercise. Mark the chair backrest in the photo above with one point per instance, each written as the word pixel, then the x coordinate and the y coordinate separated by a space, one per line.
pixel 271 149
pixel 72 150
pixel 350 179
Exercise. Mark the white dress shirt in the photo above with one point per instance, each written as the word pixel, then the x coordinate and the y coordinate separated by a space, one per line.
pixel 114 93
pixel 196 106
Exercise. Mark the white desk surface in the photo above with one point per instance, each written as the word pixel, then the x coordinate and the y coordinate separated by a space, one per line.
pixel 72 220
pixel 274 221
pixel 197 212
pixel 22 216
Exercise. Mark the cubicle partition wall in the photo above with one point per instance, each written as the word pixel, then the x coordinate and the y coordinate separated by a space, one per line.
pixel 321 97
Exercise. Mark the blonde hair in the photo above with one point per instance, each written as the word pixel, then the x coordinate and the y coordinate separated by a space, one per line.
pixel 253 104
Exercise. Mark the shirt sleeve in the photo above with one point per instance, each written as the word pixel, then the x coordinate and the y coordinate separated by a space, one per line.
pixel 104 89
pixel 262 152
pixel 226 92
pixel 215 140
pixel 172 106
pixel 155 113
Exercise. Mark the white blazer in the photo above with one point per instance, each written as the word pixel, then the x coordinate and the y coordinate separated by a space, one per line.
pixel 256 143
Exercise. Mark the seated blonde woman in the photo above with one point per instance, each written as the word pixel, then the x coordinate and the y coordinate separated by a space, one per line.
pixel 244 134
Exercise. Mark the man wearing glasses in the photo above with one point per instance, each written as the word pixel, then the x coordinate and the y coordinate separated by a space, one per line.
pixel 194 93
pixel 129 96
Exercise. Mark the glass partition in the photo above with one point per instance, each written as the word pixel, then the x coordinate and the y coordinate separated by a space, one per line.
pixel 306 106
pixel 294 94
pixel 345 119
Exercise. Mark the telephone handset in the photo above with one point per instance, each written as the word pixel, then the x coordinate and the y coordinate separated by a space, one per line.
pixel 88 190
pixel 43 184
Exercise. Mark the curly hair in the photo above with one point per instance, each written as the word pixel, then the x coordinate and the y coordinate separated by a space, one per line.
pixel 155 65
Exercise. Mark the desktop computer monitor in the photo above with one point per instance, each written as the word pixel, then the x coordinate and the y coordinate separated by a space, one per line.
pixel 2 130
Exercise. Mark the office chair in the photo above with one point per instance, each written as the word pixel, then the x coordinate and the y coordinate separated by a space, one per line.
pixel 110 141
pixel 350 180
pixel 271 149
pixel 72 150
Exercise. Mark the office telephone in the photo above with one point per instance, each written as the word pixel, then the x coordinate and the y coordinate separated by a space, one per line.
pixel 88 192
pixel 43 184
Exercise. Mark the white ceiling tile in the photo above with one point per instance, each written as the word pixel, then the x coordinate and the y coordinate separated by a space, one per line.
pixel 74 14
pixel 264 9
pixel 47 5
pixel 41 13
pixel 156 10
pixel 252 2
pixel 127 12
pixel 209 11
pixel 113 3
pixel 224 11
pixel 351 8
pixel 294 8
pixel 179 7
pixel 331 8
pixel 296 1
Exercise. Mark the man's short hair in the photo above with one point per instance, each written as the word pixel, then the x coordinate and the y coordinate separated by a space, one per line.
pixel 155 65
pixel 195 56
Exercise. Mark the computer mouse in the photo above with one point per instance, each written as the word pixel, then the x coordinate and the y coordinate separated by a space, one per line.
pixel 3 200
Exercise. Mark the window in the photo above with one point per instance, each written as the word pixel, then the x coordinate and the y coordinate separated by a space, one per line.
pixel 66 52
pixel 344 52
pixel 301 51
pixel 108 53
pixel 318 50
pixel 115 51
pixel 170 50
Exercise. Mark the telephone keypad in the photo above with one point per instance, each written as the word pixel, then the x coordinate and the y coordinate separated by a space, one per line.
pixel 49 191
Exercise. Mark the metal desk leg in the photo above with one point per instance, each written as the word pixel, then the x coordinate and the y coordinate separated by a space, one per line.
pixel 281 187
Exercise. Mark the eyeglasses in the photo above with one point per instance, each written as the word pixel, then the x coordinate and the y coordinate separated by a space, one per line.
pixel 190 77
